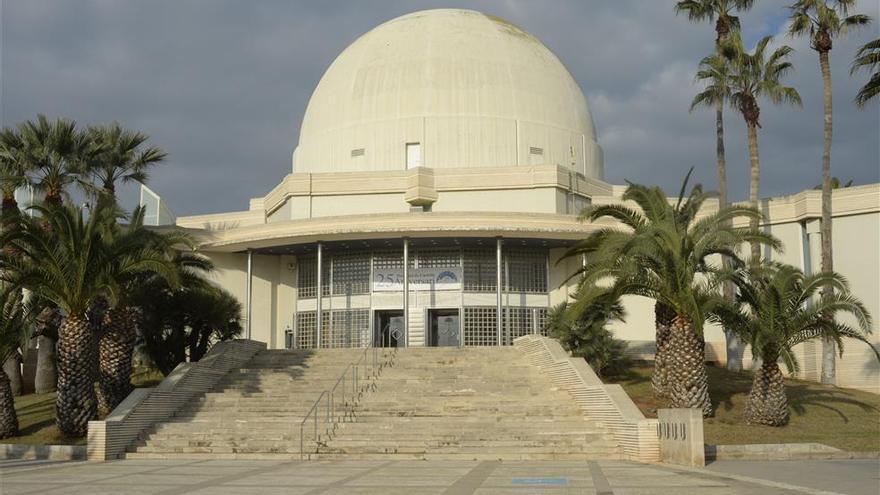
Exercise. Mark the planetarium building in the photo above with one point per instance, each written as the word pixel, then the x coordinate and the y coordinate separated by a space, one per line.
pixel 441 164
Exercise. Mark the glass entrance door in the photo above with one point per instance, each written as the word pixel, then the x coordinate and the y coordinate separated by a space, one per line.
pixel 444 328
pixel 388 328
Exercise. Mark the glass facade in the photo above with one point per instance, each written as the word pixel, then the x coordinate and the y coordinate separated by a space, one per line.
pixel 524 271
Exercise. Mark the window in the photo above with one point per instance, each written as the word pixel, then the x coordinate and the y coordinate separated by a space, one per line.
pixel 480 326
pixel 351 274
pixel 307 277
pixel 527 270
pixel 413 155
pixel 479 270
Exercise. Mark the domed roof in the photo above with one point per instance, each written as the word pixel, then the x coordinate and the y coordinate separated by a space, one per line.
pixel 461 88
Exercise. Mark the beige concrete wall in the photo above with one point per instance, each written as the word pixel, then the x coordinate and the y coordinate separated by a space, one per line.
pixel 540 200
pixel 857 257
pixel 272 289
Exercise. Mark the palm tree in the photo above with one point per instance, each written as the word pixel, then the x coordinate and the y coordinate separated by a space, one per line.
pixel 754 76
pixel 664 253
pixel 122 158
pixel 12 337
pixel 868 58
pixel 72 263
pixel 715 95
pixel 118 329
pixel 714 71
pixel 55 151
pixel 777 311
pixel 119 157
pixel 581 328
pixel 822 20
pixel 13 175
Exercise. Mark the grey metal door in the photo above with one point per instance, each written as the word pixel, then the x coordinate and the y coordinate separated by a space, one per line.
pixel 444 328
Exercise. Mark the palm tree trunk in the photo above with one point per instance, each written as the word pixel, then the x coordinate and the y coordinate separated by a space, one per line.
pixel 76 403
pixel 115 350
pixel 8 417
pixel 688 381
pixel 46 377
pixel 767 403
pixel 663 316
pixel 12 369
pixel 733 345
pixel 829 350
pixel 754 181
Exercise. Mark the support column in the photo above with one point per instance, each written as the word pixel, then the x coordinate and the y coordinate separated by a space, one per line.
pixel 250 292
pixel 319 314
pixel 498 316
pixel 406 291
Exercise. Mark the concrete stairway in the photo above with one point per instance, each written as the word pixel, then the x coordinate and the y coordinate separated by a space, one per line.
pixel 437 403
pixel 253 412
pixel 468 403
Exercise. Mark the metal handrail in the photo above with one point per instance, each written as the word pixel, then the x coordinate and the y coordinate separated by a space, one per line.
pixel 306 418
pixel 348 408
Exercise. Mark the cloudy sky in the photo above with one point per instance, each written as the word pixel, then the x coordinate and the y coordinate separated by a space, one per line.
pixel 222 85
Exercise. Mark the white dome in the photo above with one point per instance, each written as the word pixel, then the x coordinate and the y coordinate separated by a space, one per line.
pixel 472 90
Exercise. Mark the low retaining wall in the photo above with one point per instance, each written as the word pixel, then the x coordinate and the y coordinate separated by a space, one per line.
pixel 109 438
pixel 681 436
pixel 608 404
pixel 50 452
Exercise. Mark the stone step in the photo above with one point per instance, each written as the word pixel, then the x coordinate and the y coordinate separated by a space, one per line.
pixel 598 455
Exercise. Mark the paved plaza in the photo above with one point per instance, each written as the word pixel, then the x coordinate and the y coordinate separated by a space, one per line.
pixel 219 477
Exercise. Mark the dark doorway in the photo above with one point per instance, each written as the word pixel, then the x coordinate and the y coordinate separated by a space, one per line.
pixel 388 329
pixel 444 328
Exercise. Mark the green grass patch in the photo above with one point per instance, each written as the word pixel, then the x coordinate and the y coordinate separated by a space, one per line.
pixel 36 415
pixel 844 418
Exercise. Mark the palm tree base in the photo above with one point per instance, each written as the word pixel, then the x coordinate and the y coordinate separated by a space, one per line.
pixel 75 404
pixel 768 404
pixel 663 317
pixel 114 350
pixel 8 417
pixel 688 381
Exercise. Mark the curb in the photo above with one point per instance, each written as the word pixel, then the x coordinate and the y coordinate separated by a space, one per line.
pixel 782 452
pixel 49 452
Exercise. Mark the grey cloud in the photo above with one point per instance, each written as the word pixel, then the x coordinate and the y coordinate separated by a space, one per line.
pixel 222 85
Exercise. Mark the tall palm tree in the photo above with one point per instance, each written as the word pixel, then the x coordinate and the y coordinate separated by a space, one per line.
pixel 723 13
pixel 868 58
pixel 822 21
pixel 714 71
pixel 664 252
pixel 52 151
pixel 753 77
pixel 12 336
pixel 71 264
pixel 118 330
pixel 778 311
pixel 119 157
pixel 13 175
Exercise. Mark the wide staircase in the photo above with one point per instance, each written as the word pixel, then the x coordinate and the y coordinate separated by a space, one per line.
pixel 427 403
pixel 468 403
